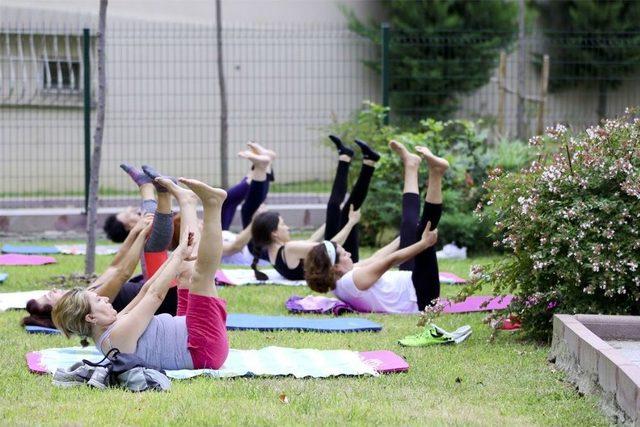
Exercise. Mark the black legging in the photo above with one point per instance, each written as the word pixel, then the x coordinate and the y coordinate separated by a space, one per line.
pixel 337 218
pixel 258 191
pixel 425 276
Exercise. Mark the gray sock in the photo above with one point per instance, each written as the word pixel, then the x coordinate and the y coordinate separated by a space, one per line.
pixel 161 233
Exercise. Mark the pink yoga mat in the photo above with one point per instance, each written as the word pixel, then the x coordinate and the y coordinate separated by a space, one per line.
pixel 474 303
pixel 15 259
pixel 222 278
pixel 385 361
pixel 446 277
pixel 33 362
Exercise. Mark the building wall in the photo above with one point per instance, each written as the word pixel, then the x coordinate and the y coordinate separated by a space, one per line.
pixel 286 83
pixel 203 11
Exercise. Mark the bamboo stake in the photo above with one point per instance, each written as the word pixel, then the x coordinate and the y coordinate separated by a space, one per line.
pixel 502 77
pixel 544 87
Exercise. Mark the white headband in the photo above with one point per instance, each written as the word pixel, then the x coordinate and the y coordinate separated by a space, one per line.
pixel 331 251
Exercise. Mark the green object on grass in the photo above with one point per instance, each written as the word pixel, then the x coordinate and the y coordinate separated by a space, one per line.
pixel 428 336
pixel 433 334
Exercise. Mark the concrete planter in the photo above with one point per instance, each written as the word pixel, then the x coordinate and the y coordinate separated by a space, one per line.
pixel 580 349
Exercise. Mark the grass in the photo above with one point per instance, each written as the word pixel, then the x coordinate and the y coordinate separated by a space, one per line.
pixel 476 383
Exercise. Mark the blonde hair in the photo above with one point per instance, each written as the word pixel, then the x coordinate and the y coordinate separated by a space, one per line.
pixel 70 312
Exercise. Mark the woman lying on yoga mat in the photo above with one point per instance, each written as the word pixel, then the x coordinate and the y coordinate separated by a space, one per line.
pixel 144 243
pixel 367 285
pixel 251 192
pixel 270 233
pixel 197 337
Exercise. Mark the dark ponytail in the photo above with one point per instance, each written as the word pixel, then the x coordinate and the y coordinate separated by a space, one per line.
pixel 254 265
pixel 261 228
pixel 39 315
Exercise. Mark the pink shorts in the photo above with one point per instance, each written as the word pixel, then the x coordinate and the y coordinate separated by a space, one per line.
pixel 207 331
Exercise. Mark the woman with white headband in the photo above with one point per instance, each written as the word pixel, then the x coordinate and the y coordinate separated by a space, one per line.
pixel 365 285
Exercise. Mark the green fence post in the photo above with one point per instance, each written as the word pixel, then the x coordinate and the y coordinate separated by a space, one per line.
pixel 385 67
pixel 86 72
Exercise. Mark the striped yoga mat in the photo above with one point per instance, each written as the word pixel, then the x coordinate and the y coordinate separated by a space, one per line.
pixel 268 361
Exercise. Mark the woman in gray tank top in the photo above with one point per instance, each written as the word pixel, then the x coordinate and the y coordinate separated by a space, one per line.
pixel 196 337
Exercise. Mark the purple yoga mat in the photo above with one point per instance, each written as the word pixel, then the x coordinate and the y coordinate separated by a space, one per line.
pixel 15 259
pixel 317 304
pixel 475 303
pixel 326 305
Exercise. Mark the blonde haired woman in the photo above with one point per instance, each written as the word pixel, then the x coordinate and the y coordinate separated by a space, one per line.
pixel 194 339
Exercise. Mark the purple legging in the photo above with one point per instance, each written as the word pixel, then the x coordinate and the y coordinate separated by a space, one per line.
pixel 235 196
pixel 250 195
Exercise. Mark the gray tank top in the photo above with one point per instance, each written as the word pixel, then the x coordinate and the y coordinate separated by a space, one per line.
pixel 163 344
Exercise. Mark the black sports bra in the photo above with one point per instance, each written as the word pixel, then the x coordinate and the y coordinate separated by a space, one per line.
pixel 288 273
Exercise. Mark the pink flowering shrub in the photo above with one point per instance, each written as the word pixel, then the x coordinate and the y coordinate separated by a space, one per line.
pixel 571 226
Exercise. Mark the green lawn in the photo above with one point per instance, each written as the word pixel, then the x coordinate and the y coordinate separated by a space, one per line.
pixel 476 383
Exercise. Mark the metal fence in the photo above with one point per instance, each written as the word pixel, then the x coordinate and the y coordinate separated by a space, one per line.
pixel 286 85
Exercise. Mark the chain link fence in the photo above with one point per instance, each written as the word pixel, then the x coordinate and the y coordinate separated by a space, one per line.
pixel 286 85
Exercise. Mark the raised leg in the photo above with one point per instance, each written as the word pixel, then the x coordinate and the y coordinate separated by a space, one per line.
pixel 235 195
pixel 338 193
pixel 259 185
pixel 210 248
pixel 425 275
pixel 356 198
pixel 410 199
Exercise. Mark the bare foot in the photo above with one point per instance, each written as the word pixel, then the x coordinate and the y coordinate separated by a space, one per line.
pixel 409 159
pixel 259 149
pixel 208 195
pixel 181 194
pixel 436 164
pixel 259 160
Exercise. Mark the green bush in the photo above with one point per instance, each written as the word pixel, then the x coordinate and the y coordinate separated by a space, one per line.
pixel 570 223
pixel 463 143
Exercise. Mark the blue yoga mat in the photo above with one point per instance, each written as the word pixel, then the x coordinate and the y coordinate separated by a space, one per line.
pixel 239 322
pixel 30 250
pixel 3 277
pixel 274 323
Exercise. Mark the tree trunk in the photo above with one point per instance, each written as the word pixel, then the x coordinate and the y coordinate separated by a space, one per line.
pixel 224 137
pixel 603 90
pixel 92 211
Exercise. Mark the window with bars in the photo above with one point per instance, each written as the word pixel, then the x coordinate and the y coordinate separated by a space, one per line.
pixel 61 75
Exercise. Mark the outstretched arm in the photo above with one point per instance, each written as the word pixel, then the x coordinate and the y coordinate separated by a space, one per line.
pixel 354 218
pixel 110 282
pixel 318 235
pixel 135 318
pixel 126 245
pixel 366 276
pixel 244 237
pixel 381 253
pixel 297 250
